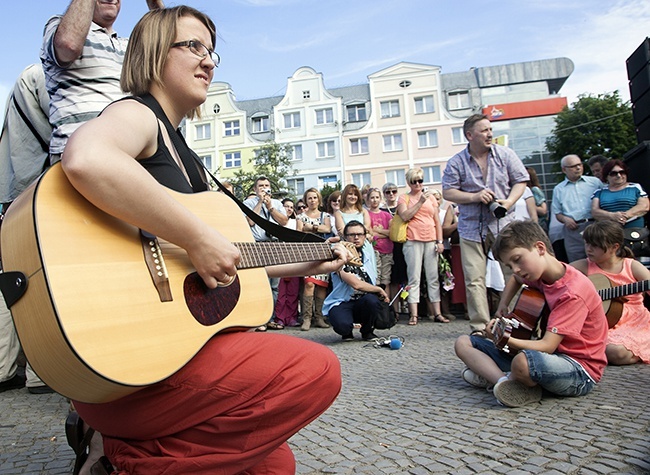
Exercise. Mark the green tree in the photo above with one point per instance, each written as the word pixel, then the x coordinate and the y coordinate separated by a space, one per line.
pixel 327 191
pixel 272 160
pixel 593 125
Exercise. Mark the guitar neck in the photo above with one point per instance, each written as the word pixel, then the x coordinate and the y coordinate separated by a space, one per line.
pixel 262 254
pixel 623 290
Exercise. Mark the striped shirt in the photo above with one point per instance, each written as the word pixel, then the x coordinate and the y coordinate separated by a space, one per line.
pixel 622 200
pixel 79 91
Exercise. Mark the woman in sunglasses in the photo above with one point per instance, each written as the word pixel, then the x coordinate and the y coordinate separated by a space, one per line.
pixel 423 244
pixel 620 201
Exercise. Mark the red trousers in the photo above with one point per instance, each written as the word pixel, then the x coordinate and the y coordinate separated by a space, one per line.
pixel 230 410
pixel 286 307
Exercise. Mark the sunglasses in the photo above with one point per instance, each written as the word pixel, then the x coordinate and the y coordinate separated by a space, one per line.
pixel 617 173
pixel 391 192
pixel 417 182
pixel 300 207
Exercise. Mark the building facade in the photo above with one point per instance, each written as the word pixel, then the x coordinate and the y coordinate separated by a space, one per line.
pixel 407 115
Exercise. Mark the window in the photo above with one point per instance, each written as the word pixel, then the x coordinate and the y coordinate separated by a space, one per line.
pixel 428 138
pixel 458 100
pixel 396 176
pixel 327 180
pixel 393 143
pixel 356 112
pixel 261 124
pixel 296 152
pixel 424 105
pixel 207 161
pixel 203 131
pixel 324 116
pixel 232 159
pixel 359 146
pixel 361 179
pixel 431 174
pixel 325 149
pixel 292 120
pixel 389 109
pixel 231 127
pixel 457 136
pixel 296 186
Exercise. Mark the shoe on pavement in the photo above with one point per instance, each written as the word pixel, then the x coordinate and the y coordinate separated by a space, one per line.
pixel 512 393
pixel 16 382
pixel 474 379
pixel 369 336
pixel 40 390
pixel 348 337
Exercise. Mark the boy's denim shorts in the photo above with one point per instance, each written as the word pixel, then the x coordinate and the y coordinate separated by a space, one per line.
pixel 556 373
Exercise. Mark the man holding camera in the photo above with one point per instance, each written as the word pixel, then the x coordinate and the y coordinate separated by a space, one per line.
pixel 485 180
pixel 271 210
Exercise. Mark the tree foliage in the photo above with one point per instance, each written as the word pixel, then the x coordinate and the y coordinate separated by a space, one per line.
pixel 272 160
pixel 593 125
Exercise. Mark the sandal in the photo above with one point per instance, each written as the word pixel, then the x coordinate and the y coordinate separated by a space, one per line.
pixel 261 328
pixel 77 440
pixel 275 326
pixel 440 319
pixel 413 320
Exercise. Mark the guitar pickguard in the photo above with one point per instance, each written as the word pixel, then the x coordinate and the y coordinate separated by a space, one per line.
pixel 210 306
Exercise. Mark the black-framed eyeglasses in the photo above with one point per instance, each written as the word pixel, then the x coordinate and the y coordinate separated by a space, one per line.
pixel 200 50
pixel 617 173
pixel 354 235
pixel 392 192
pixel 417 182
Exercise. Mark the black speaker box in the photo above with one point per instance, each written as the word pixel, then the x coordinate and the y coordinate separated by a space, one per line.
pixel 638 161
pixel 640 84
pixel 641 108
pixel 639 59
pixel 643 131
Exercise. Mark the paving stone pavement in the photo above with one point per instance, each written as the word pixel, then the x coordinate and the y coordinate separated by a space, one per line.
pixel 408 411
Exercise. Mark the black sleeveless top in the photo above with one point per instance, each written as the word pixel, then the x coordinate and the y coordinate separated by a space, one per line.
pixel 162 165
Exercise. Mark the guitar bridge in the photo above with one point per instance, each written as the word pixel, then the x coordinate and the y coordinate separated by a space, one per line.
pixel 156 265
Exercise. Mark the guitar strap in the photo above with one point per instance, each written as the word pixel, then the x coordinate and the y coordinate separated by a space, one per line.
pixel 193 165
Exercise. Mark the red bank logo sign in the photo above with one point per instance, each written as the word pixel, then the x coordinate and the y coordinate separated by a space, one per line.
pixel 521 110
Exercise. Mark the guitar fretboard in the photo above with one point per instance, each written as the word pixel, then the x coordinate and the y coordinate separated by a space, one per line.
pixel 262 254
pixel 623 290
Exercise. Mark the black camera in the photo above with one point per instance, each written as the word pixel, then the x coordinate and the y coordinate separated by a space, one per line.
pixel 496 209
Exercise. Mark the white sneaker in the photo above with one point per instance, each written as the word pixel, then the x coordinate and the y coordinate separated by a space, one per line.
pixel 474 379
pixel 512 393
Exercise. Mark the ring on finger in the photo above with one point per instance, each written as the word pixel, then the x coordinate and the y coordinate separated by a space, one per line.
pixel 230 280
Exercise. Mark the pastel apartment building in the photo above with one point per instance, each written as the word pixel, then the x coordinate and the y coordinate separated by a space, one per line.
pixel 407 115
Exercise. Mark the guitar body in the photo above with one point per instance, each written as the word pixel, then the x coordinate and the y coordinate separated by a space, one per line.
pixel 91 323
pixel 613 308
pixel 525 322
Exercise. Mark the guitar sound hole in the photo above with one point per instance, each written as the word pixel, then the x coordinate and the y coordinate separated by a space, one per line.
pixel 210 306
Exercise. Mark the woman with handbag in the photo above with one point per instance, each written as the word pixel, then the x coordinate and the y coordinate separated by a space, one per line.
pixel 620 201
pixel 313 220
pixel 423 244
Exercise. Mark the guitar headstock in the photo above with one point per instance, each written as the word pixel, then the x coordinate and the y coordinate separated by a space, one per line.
pixel 353 255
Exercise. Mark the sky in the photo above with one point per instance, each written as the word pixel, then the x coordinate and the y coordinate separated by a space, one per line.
pixel 263 42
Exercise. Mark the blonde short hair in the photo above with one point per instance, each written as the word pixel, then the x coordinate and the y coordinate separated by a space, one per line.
pixel 149 45
pixel 414 174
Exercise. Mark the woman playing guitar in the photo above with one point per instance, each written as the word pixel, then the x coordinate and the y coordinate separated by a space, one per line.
pixel 628 341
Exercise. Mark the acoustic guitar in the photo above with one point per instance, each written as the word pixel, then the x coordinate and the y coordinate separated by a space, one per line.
pixel 526 321
pixel 107 309
pixel 612 296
